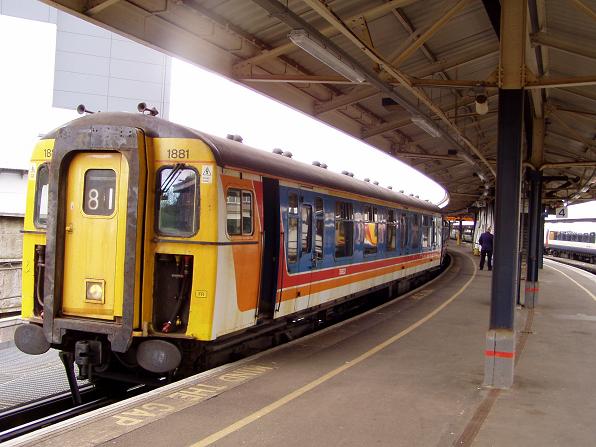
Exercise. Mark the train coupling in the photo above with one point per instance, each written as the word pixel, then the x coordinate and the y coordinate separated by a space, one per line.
pixel 87 355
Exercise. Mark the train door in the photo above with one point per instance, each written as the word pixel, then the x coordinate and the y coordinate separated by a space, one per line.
pixel 270 256
pixel 94 245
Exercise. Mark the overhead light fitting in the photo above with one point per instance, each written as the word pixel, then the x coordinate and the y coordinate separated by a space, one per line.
pixel 481 104
pixel 426 126
pixel 465 157
pixel 320 51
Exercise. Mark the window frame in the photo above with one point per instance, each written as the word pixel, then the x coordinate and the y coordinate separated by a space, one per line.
pixel 158 206
pixel 242 191
pixel 370 216
pixel 392 222
pixel 336 219
pixel 293 213
pixel 37 197
pixel 116 193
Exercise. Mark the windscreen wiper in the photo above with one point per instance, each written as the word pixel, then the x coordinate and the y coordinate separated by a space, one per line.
pixel 171 178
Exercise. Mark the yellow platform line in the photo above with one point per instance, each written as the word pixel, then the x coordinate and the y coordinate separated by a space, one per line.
pixel 315 383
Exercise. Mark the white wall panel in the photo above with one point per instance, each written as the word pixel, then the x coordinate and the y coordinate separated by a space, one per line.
pixel 82 63
pixel 69 81
pixel 91 102
pixel 97 68
pixel 136 71
pixel 83 44
pixel 132 51
pixel 28 9
pixel 72 24
pixel 109 72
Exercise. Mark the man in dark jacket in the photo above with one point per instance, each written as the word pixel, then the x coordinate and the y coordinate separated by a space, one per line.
pixel 486 248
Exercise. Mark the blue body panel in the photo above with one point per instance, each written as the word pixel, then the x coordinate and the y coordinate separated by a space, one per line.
pixel 409 237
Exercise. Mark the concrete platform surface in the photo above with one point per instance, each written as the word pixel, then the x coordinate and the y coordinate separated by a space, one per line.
pixel 406 374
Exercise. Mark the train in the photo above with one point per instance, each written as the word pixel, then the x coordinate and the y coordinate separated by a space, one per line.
pixel 571 239
pixel 148 245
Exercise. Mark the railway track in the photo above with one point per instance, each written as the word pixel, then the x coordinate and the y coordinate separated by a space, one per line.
pixel 44 412
pixel 580 265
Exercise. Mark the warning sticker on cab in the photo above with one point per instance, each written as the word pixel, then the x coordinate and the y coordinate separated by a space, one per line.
pixel 207 174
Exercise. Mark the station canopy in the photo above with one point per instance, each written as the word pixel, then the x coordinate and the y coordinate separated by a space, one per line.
pixel 416 79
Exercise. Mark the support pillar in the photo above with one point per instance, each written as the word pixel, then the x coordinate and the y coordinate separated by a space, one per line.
pixel 535 217
pixel 500 338
pixel 541 244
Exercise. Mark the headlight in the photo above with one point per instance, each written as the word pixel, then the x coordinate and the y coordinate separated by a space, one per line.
pixel 94 291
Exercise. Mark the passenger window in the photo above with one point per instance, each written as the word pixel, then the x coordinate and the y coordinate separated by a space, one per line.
pixel 371 230
pixel 40 217
pixel 319 210
pixel 99 196
pixel 292 239
pixel 178 201
pixel 319 228
pixel 390 243
pixel 247 213
pixel 344 229
pixel 319 239
pixel 239 212
pixel 404 232
pixel 415 231
pixel 293 203
pixel 306 229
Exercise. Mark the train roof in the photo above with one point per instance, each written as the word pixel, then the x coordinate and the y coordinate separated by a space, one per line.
pixel 232 154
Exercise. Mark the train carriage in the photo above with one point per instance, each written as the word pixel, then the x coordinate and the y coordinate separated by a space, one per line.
pixel 141 235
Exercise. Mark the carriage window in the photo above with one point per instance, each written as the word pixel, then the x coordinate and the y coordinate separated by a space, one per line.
pixel 178 201
pixel 41 196
pixel 344 229
pixel 292 239
pixel 246 212
pixel 320 227
pixel 404 231
pixel 306 228
pixel 99 197
pixel 239 212
pixel 371 230
pixel 426 231
pixel 415 231
pixel 293 203
pixel 391 231
pixel 319 210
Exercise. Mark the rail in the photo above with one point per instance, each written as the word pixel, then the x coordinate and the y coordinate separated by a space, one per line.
pixel 50 410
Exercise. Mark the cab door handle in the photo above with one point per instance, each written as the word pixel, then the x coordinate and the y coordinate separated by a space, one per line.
pixel 69 228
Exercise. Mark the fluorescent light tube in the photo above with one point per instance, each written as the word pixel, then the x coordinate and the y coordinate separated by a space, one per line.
pixel 426 126
pixel 465 157
pixel 319 51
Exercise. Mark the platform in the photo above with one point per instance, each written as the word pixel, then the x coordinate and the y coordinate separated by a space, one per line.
pixel 406 374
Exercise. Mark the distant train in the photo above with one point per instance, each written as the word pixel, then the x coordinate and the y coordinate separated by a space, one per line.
pixel 146 244
pixel 573 240
pixel 467 234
